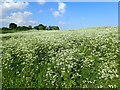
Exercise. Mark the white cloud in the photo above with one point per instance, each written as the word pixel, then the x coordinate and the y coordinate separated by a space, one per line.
pixel 41 2
pixel 20 18
pixel 7 0
pixel 11 5
pixel 56 13
pixel 61 7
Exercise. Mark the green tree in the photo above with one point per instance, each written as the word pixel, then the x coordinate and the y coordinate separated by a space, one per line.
pixel 29 27
pixel 23 28
pixel 54 27
pixel 41 27
pixel 12 25
pixel 36 27
pixel 5 28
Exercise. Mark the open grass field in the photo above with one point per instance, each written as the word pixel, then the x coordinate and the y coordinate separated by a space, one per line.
pixel 86 58
pixel 0 62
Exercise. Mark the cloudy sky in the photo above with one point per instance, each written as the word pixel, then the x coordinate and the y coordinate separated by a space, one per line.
pixel 67 15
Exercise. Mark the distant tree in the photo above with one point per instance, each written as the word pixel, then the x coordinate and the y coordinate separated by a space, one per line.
pixel 41 27
pixel 5 28
pixel 29 27
pixel 36 27
pixel 12 26
pixel 45 27
pixel 54 27
pixel 19 28
pixel 23 28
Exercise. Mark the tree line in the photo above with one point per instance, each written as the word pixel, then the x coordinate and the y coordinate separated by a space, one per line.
pixel 13 26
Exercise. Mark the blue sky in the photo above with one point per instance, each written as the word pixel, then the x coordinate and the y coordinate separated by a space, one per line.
pixel 66 15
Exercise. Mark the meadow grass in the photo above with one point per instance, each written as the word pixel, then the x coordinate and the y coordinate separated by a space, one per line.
pixel 86 58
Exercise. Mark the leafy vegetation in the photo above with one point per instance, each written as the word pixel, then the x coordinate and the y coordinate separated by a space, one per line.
pixel 0 62
pixel 14 28
pixel 86 58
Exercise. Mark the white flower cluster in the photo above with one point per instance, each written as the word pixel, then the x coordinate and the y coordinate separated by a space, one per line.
pixel 82 58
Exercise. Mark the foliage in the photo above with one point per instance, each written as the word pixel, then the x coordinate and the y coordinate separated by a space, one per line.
pixel 86 58
pixel 5 28
pixel 29 27
pixel 40 27
pixel 54 27
pixel 23 28
pixel 12 26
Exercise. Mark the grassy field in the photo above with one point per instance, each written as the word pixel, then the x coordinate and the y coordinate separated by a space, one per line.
pixel 86 58
pixel 0 62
